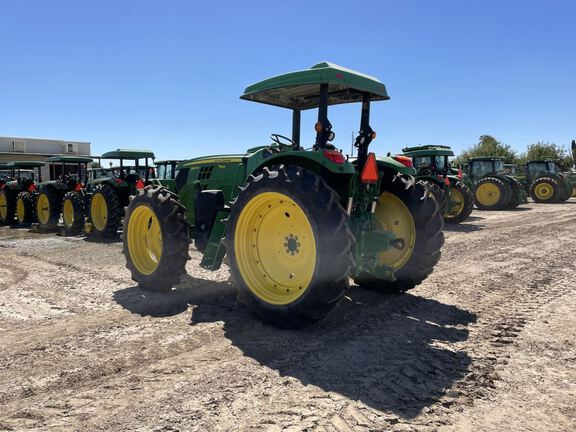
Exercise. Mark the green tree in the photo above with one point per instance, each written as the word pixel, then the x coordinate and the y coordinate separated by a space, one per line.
pixel 545 150
pixel 487 146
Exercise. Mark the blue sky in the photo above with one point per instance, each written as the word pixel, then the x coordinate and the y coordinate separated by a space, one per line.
pixel 166 75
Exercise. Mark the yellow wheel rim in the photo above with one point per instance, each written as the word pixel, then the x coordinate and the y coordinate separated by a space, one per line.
pixel 68 213
pixel 20 210
pixel 392 215
pixel 43 209
pixel 488 194
pixel 544 191
pixel 455 203
pixel 144 240
pixel 574 191
pixel 275 248
pixel 99 211
pixel 3 206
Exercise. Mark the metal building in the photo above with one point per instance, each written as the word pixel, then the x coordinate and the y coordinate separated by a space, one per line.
pixel 39 149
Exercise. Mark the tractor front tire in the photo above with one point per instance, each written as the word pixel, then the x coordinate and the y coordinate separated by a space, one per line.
pixel 463 200
pixel 415 217
pixel 7 206
pixel 25 208
pixel 105 212
pixel 289 246
pixel 491 193
pixel 48 208
pixel 156 239
pixel 545 190
pixel 73 213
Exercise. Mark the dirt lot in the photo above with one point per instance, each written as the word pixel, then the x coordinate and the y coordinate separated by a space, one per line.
pixel 488 342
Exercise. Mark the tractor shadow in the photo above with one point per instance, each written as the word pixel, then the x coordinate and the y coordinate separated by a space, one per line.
pixel 393 353
pixel 100 239
pixel 191 292
pixel 463 227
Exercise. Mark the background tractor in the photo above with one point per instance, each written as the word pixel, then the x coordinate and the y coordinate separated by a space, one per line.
pixel 23 177
pixel 295 224
pixel 493 189
pixel 107 193
pixel 165 174
pixel 67 173
pixel 454 197
pixel 546 183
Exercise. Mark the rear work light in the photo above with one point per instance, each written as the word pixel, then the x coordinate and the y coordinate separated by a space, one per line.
pixel 404 160
pixel 370 170
pixel 335 156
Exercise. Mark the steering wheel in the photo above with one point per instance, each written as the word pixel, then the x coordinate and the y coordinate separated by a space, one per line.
pixel 277 138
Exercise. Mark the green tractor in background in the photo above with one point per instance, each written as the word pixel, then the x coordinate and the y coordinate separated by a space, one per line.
pixel 67 173
pixel 493 189
pixel 455 198
pixel 99 207
pixel 165 174
pixel 546 183
pixel 22 178
pixel 295 224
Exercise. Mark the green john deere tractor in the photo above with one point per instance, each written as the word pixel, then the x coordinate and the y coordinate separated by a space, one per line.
pixel 546 183
pixel 493 189
pixel 295 224
pixel 99 207
pixel 432 166
pixel 67 173
pixel 165 174
pixel 22 178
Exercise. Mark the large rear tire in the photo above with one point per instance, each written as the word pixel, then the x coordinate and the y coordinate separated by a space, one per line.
pixel 415 217
pixel 105 212
pixel 460 203
pixel 73 213
pixel 545 190
pixel 491 193
pixel 7 206
pixel 289 246
pixel 440 195
pixel 48 208
pixel 25 208
pixel 156 239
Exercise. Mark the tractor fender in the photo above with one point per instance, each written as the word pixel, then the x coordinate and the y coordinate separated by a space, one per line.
pixel 314 161
pixel 389 163
pixel 338 176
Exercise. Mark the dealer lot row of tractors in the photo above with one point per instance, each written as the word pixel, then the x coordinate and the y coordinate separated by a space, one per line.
pixel 295 224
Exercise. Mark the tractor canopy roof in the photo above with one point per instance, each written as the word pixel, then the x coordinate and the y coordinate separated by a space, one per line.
pixel 24 164
pixel 300 90
pixel 128 154
pixel 487 158
pixel 428 150
pixel 69 159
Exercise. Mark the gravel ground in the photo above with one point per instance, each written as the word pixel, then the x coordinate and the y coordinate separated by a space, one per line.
pixel 487 343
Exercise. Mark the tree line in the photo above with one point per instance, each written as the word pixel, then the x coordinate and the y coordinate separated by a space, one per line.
pixel 489 146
